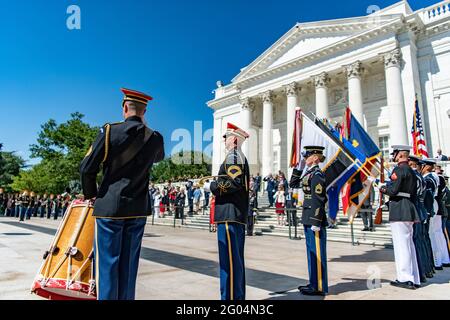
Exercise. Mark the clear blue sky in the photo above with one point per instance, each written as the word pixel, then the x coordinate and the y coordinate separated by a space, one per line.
pixel 173 50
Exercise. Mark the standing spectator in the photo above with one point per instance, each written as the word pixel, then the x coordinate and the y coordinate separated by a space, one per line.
pixel 271 188
pixel 180 202
pixel 291 204
pixel 157 203
pixel 172 198
pixel 207 194
pixel 190 196
pixel 280 202
pixel 197 195
pixel 283 182
pixel 164 203
pixel 367 212
pixel 251 213
pixel 440 156
pixel 256 187
pixel 212 224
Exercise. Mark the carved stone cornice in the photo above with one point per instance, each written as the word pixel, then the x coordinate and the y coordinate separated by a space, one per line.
pixel 354 70
pixel 267 97
pixel 393 58
pixel 292 89
pixel 321 80
pixel 247 104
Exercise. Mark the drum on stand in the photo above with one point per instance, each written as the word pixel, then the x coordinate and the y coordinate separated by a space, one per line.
pixel 67 272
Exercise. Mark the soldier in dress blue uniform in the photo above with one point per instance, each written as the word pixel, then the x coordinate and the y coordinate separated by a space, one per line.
pixel 314 219
pixel 231 191
pixel 419 232
pixel 127 152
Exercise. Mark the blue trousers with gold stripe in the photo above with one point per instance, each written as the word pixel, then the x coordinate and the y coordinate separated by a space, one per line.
pixel 316 250
pixel 117 249
pixel 231 238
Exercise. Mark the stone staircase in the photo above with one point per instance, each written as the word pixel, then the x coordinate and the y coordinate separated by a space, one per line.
pixel 267 225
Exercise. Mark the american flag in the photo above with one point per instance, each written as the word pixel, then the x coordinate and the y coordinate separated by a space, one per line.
pixel 419 145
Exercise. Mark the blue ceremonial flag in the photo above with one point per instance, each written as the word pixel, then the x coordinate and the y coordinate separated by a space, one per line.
pixel 358 159
pixel 360 138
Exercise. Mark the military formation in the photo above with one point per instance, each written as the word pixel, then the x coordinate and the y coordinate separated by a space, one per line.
pixel 26 205
pixel 418 214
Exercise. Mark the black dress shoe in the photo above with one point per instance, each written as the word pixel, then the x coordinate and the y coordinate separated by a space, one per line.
pixel 312 292
pixel 439 268
pixel 417 286
pixel 404 285
pixel 423 279
pixel 365 229
pixel 429 275
pixel 446 265
pixel 300 288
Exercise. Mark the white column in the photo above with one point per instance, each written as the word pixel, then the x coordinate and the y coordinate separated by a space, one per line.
pixel 246 124
pixel 292 103
pixel 394 89
pixel 217 143
pixel 355 97
pixel 267 139
pixel 321 82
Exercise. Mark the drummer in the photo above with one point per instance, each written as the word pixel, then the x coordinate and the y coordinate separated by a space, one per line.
pixel 127 151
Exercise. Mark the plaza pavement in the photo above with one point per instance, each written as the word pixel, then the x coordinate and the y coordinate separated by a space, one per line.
pixel 178 264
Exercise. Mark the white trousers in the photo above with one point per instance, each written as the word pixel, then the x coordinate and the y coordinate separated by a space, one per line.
pixel 438 241
pixel 405 252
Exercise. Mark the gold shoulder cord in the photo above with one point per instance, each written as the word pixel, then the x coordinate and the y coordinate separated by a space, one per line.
pixel 108 129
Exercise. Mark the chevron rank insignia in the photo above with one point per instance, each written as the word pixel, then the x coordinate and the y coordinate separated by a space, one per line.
pixel 319 189
pixel 234 171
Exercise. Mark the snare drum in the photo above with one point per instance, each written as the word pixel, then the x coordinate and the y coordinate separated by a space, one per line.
pixel 67 272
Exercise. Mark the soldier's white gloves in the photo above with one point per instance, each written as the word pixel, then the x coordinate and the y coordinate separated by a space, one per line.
pixel 314 228
pixel 207 187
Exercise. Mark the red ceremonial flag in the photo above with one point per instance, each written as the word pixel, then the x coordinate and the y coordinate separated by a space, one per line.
pixel 297 139
pixel 345 195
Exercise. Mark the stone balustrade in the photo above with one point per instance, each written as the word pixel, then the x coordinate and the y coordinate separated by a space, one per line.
pixel 436 12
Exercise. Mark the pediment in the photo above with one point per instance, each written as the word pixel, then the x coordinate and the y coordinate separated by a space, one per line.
pixel 306 38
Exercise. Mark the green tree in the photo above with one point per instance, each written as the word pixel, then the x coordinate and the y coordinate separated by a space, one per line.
pixel 61 147
pixel 10 166
pixel 186 164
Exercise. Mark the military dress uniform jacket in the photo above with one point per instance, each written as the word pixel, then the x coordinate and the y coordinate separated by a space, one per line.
pixel 430 191
pixel 124 192
pixel 440 197
pixel 402 192
pixel 314 187
pixel 420 197
pixel 231 189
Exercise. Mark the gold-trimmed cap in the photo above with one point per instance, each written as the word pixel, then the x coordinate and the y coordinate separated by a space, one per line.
pixel 133 95
pixel 233 130
pixel 310 150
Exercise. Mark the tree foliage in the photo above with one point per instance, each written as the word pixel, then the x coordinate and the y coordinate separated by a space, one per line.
pixel 188 164
pixel 10 165
pixel 61 147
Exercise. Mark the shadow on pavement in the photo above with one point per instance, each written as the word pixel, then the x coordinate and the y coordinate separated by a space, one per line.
pixel 369 256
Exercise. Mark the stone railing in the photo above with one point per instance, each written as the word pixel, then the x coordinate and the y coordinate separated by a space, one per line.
pixel 436 12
